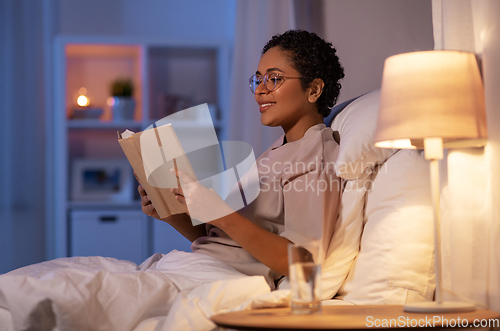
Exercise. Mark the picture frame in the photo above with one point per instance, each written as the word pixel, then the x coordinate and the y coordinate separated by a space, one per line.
pixel 108 180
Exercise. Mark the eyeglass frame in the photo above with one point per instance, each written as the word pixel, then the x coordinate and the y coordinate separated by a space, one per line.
pixel 264 79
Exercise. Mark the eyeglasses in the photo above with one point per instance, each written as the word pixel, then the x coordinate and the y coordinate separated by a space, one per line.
pixel 271 81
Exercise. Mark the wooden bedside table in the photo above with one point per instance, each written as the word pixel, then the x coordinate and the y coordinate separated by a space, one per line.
pixel 351 318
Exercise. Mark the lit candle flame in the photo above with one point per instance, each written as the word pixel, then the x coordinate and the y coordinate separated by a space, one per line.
pixel 82 101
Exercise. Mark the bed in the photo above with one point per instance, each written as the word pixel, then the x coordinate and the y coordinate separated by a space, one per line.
pixel 381 253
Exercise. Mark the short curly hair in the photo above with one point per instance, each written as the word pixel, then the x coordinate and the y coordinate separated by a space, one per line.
pixel 313 58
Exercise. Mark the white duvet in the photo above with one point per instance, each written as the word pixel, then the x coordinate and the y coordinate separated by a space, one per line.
pixel 177 291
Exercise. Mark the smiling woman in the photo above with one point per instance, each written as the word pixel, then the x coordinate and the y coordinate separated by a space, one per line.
pixel 288 104
pixel 296 81
pixel 298 203
pixel 313 58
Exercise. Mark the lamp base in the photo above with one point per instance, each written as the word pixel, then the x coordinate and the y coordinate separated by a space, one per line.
pixel 434 307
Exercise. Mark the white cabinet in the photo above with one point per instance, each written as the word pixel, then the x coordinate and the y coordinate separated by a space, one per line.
pixel 111 233
pixel 91 195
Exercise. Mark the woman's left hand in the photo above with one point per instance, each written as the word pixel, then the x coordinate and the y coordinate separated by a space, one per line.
pixel 202 203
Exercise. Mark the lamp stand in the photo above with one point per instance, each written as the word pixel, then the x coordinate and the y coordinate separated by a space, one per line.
pixel 433 148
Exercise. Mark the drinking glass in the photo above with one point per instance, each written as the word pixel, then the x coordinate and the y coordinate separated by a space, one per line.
pixel 305 278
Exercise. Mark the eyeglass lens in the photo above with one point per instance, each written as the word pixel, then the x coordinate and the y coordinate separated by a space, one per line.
pixel 271 82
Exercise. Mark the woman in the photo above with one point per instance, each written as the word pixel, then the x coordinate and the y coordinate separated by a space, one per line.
pixel 297 79
pixel 295 86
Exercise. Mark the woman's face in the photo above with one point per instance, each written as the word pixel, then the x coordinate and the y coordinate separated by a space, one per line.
pixel 288 104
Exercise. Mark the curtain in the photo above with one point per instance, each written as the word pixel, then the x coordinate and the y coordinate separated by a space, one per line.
pixel 471 188
pixel 256 22
pixel 22 131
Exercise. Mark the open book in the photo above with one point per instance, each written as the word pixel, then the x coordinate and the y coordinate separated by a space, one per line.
pixel 152 153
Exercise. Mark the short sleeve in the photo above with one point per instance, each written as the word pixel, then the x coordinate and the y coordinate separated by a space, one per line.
pixel 311 207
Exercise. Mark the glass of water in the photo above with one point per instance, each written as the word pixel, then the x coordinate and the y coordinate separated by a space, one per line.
pixel 304 273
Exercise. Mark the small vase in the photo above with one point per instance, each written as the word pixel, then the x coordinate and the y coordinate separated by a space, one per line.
pixel 123 108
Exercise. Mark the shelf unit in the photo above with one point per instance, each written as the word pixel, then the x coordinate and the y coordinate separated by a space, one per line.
pixel 197 70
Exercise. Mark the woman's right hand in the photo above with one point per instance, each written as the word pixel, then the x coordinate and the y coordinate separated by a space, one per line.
pixel 147 205
pixel 181 222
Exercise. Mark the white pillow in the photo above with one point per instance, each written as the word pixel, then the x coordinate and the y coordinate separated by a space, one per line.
pixel 344 245
pixel 395 261
pixel 356 160
pixel 346 237
pixel 356 124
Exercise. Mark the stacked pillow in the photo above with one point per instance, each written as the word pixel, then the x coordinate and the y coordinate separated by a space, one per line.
pixel 356 124
pixel 383 238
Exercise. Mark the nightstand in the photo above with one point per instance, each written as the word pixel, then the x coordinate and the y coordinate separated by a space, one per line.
pixel 352 318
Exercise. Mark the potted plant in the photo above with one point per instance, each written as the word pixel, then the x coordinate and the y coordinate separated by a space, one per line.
pixel 121 101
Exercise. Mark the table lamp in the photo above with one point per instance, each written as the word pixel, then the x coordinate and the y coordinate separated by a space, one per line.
pixel 432 100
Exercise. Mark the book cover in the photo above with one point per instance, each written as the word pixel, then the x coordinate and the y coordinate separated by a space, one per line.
pixel 152 153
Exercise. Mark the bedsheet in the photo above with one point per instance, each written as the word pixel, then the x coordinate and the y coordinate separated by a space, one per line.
pixel 176 291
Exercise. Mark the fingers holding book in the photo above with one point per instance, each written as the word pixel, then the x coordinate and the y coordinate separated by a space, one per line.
pixel 179 195
pixel 147 205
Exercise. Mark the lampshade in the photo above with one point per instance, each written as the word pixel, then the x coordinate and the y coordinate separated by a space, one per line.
pixel 431 94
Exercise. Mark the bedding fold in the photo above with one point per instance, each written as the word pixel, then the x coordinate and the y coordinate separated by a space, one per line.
pixel 97 293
